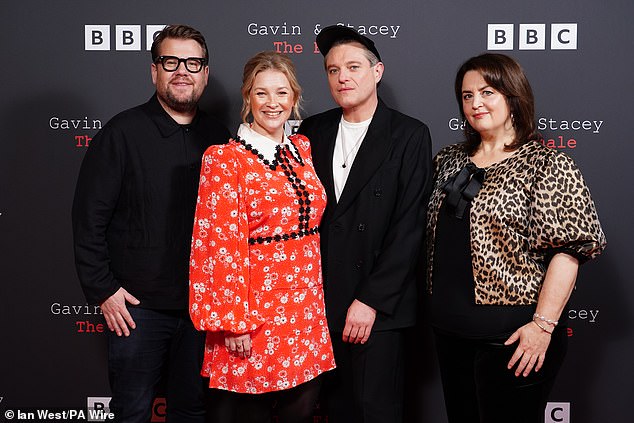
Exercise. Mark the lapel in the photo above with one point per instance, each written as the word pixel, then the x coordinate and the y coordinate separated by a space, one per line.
pixel 372 153
pixel 323 149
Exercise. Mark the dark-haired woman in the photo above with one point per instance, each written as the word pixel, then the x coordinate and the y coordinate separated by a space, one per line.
pixel 509 222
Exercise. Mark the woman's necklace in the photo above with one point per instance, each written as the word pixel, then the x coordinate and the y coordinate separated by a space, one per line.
pixel 345 155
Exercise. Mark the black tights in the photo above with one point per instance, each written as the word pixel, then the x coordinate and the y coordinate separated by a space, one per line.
pixel 295 405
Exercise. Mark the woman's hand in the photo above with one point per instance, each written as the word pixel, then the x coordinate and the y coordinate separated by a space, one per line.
pixel 531 349
pixel 239 345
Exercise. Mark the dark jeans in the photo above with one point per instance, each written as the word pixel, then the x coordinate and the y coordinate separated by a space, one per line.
pixel 479 388
pixel 164 344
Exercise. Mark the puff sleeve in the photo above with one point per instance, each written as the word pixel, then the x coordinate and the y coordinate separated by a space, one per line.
pixel 219 285
pixel 563 216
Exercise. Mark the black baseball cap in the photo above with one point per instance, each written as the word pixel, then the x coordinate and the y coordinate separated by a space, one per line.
pixel 331 34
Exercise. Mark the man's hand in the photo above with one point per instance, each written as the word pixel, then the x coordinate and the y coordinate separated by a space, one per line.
pixel 116 313
pixel 359 322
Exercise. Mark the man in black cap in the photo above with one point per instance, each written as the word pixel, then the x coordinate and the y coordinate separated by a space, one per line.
pixel 375 164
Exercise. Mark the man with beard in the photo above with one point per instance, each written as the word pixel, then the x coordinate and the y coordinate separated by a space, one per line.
pixel 132 223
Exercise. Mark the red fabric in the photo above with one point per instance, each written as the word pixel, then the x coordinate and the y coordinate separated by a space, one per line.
pixel 272 290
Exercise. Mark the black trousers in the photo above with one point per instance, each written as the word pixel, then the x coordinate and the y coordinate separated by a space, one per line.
pixel 367 385
pixel 479 388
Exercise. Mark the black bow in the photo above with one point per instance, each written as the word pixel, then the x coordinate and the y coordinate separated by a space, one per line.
pixel 462 188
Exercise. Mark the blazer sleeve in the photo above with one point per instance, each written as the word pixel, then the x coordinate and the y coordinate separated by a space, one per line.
pixel 96 195
pixel 400 252
pixel 219 283
pixel 563 216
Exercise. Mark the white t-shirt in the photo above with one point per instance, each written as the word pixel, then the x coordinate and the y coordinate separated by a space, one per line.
pixel 349 139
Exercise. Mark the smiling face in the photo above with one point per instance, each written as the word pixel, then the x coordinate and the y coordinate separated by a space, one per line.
pixel 179 91
pixel 353 80
pixel 271 99
pixel 485 108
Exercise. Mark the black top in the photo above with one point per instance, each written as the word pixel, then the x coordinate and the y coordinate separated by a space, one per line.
pixel 134 205
pixel 453 307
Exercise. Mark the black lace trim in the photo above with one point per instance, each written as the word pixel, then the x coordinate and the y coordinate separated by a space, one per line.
pixel 282 154
pixel 279 149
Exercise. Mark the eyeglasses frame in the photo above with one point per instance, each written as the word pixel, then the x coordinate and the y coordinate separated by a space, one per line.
pixel 161 59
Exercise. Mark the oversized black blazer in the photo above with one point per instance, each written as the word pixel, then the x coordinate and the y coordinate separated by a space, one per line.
pixel 371 238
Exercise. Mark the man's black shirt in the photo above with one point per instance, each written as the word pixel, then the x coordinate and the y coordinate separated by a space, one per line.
pixel 134 205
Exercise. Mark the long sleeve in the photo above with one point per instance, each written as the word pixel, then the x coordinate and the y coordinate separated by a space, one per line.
pixel 403 239
pixel 219 285
pixel 96 195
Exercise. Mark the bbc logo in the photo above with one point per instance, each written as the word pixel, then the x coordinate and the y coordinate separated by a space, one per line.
pixel 101 406
pixel 97 404
pixel 557 412
pixel 126 37
pixel 563 36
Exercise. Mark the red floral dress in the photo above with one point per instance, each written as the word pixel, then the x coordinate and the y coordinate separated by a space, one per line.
pixel 255 264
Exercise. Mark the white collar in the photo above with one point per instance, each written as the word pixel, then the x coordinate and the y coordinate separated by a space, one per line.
pixel 265 146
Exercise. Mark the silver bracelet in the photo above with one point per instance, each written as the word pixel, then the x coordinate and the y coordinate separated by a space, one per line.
pixel 542 328
pixel 545 320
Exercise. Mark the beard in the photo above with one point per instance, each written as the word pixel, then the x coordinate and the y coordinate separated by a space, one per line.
pixel 181 104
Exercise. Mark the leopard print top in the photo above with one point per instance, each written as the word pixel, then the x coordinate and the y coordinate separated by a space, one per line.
pixel 531 206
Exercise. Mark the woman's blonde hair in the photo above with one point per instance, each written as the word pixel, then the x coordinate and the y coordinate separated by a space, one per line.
pixel 269 60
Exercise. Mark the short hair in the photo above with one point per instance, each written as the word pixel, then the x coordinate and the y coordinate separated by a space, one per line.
pixel 269 60
pixel 180 32
pixel 505 75
pixel 372 58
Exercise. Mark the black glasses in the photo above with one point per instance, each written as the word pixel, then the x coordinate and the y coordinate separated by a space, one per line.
pixel 171 63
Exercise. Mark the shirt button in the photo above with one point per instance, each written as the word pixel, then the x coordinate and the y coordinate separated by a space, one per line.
pixel 378 192
pixel 361 227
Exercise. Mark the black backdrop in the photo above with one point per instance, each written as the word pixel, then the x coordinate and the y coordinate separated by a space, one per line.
pixel 69 66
